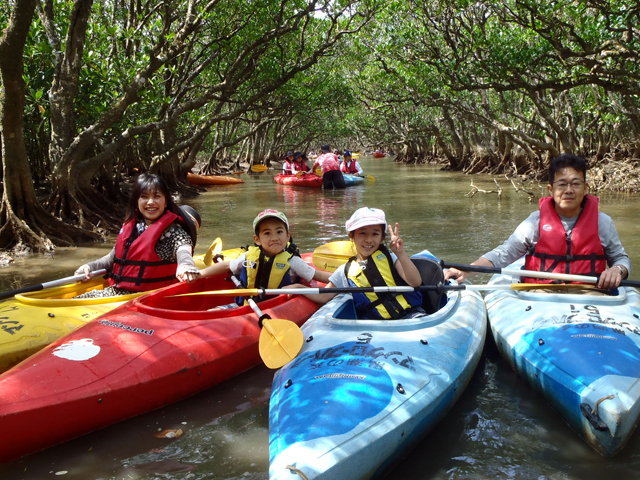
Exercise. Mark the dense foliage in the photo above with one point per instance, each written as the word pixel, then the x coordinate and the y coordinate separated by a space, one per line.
pixel 117 86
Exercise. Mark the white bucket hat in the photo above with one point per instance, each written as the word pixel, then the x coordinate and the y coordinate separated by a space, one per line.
pixel 366 216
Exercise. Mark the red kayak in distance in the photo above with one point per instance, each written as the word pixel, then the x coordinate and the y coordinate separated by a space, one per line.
pixel 150 352
pixel 305 180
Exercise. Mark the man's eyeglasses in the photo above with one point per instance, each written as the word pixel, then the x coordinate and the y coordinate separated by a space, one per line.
pixel 576 184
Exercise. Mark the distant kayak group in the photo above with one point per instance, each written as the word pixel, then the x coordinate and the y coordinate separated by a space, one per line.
pixel 372 347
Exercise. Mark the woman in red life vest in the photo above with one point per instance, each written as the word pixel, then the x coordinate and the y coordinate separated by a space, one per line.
pixel 350 165
pixel 288 164
pixel 568 234
pixel 299 163
pixel 155 245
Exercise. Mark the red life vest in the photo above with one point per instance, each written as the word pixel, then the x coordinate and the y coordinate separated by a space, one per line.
pixel 286 167
pixel 137 266
pixel 349 169
pixel 580 252
pixel 301 166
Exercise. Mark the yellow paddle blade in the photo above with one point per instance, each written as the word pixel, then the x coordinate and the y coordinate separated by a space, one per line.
pixel 371 178
pixel 299 174
pixel 214 249
pixel 280 342
pixel 259 168
pixel 319 172
pixel 331 255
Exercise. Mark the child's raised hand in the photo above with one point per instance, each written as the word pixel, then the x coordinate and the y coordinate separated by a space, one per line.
pixel 396 243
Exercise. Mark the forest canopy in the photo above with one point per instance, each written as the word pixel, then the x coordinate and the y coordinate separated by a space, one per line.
pixel 93 92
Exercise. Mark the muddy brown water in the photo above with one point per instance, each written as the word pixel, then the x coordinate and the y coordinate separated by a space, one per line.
pixel 499 429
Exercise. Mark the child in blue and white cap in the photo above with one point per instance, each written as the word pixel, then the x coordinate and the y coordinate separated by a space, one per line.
pixel 375 265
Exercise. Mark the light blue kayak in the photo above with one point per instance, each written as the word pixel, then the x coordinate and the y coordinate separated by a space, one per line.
pixel 362 392
pixel 580 352
pixel 351 180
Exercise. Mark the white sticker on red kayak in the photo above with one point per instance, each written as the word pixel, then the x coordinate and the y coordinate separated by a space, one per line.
pixel 77 350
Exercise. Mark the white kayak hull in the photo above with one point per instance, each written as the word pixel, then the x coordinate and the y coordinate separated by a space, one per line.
pixel 362 392
pixel 580 352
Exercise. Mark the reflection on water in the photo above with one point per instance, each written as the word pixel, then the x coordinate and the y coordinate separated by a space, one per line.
pixel 498 429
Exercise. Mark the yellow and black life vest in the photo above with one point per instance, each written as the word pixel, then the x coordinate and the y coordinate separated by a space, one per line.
pixel 378 271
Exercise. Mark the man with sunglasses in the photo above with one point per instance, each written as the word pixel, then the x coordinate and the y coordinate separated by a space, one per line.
pixel 567 235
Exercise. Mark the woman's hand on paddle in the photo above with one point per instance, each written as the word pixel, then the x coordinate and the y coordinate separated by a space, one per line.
pixel 396 244
pixel 84 269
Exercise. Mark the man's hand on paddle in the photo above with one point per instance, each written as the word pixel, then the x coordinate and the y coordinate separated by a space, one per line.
pixel 611 278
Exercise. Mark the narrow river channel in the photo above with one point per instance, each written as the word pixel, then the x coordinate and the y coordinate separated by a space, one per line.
pixel 499 429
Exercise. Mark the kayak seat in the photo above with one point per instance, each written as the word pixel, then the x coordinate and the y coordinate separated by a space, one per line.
pixel 431 273
pixel 347 311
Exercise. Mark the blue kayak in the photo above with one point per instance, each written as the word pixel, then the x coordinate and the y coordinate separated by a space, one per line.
pixel 351 180
pixel 362 392
pixel 581 352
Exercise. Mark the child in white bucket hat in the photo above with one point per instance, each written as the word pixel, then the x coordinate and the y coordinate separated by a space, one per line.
pixel 375 265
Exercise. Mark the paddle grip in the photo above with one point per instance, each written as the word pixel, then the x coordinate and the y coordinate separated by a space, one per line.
pixel 470 268
pixel 264 316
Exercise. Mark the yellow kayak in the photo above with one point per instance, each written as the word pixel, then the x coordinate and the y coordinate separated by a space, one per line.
pixel 31 321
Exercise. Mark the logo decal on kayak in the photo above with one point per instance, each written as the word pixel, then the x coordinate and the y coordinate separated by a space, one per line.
pixel 77 350
pixel 341 375
pixel 546 227
pixel 107 323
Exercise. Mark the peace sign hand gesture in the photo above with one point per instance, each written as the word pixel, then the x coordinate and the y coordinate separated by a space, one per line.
pixel 396 244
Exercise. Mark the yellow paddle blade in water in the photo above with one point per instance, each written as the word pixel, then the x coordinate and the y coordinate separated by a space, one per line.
pixel 259 168
pixel 331 255
pixel 280 342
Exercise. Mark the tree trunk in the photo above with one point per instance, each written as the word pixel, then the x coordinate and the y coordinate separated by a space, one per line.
pixel 25 224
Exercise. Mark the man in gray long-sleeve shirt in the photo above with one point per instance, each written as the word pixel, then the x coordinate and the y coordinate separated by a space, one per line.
pixel 567 185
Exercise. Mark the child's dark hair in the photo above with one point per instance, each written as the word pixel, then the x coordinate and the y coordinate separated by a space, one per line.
pixel 149 182
pixel 567 160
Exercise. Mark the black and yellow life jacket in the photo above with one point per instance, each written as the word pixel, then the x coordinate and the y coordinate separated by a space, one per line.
pixel 378 271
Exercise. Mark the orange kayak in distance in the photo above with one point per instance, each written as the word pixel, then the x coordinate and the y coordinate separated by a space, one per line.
pixel 204 180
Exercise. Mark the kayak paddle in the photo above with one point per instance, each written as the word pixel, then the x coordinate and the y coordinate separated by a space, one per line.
pixel 331 255
pixel 387 289
pixel 214 249
pixel 53 283
pixel 533 274
pixel 259 168
pixel 280 340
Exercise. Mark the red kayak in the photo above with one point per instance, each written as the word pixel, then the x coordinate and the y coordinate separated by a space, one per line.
pixel 377 154
pixel 305 180
pixel 150 352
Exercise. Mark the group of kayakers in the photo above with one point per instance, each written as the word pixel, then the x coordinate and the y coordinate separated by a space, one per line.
pixel 329 164
pixel 567 235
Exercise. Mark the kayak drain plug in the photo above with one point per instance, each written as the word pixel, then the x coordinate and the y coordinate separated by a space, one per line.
pixel 310 338
pixel 288 384
pixel 540 341
pixel 424 341
pixel 51 314
pixel 400 389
